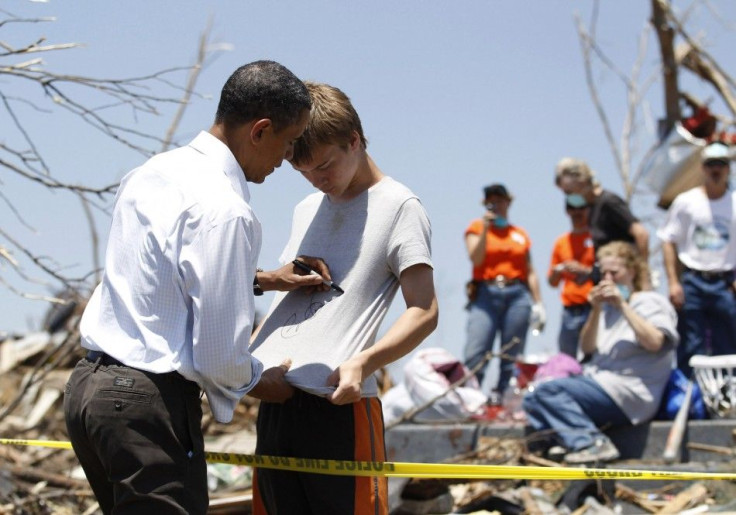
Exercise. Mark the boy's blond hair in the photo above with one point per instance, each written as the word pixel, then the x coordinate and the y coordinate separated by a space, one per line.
pixel 332 122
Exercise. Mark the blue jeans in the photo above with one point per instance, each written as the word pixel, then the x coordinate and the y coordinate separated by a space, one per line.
pixel 497 310
pixel 574 407
pixel 710 304
pixel 573 320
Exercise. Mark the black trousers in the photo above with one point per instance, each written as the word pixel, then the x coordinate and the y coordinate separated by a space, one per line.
pixel 138 437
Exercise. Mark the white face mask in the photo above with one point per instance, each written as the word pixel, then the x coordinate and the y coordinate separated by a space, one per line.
pixel 575 200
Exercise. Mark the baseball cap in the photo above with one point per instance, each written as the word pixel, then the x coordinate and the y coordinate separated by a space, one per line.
pixel 496 189
pixel 715 151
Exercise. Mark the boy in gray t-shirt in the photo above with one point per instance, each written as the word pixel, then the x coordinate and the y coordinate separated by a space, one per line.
pixel 375 236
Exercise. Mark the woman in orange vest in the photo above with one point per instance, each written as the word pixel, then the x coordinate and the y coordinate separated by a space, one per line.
pixel 572 263
pixel 505 294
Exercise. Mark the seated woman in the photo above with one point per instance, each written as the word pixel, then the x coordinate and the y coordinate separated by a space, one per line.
pixel 631 335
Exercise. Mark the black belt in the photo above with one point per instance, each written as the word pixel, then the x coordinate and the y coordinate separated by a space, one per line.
pixel 96 356
pixel 577 308
pixel 710 276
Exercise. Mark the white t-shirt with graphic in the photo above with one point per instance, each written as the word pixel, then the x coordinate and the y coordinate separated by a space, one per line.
pixel 703 230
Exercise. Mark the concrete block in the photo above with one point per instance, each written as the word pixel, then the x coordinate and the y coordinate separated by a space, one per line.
pixel 430 443
pixel 647 441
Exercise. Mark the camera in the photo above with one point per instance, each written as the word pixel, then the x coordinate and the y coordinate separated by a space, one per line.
pixel 489 206
pixel 595 274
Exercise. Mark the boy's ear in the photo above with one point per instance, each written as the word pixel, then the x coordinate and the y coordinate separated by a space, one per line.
pixel 258 129
pixel 354 140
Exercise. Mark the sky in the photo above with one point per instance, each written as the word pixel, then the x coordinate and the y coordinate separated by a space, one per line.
pixel 452 96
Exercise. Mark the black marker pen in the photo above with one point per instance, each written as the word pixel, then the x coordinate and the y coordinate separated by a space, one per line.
pixel 305 267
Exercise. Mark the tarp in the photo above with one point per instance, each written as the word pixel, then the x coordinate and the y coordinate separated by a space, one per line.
pixel 674 166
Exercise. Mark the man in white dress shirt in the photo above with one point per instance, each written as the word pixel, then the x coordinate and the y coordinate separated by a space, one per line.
pixel 174 312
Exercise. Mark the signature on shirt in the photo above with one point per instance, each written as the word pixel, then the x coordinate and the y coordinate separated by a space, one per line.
pixel 291 326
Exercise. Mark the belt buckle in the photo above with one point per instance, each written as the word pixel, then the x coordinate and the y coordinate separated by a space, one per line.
pixel 501 281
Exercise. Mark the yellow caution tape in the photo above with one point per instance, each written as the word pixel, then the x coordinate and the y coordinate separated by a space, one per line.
pixel 423 470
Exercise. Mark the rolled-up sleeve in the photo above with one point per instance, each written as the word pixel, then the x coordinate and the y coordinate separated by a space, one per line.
pixel 219 267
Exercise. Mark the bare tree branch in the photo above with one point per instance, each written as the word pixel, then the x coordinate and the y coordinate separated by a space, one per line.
pixel 40 262
pixel 700 64
pixel 586 44
pixel 28 156
pixel 93 237
pixel 34 48
pixel 695 57
pixel 53 184
pixel 96 102
pixel 628 132
pixel 194 72
pixel 666 36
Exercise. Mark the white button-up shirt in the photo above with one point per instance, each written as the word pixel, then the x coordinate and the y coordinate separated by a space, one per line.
pixel 177 292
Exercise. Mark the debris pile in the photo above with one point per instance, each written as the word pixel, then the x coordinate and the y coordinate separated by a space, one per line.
pixel 592 496
pixel 43 480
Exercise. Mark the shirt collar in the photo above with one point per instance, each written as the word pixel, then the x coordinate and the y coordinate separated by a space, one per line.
pixel 216 150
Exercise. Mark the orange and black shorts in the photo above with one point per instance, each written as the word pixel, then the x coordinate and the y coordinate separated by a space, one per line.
pixel 310 427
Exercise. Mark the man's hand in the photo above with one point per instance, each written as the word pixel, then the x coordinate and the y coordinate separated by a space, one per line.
pixel 348 378
pixel 289 277
pixel 272 386
pixel 677 295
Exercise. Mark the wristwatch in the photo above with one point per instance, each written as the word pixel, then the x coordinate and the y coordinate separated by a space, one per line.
pixel 257 291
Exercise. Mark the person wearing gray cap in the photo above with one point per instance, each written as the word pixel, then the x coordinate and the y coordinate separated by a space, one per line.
pixel 610 218
pixel 700 235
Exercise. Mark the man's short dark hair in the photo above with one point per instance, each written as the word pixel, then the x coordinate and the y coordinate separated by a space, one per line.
pixel 262 89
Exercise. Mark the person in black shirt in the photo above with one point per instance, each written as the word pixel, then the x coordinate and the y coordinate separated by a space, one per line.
pixel 610 218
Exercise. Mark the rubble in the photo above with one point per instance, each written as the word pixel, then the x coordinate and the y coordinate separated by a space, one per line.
pixel 43 480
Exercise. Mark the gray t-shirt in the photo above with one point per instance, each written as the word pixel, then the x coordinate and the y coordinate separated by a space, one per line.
pixel 634 377
pixel 367 242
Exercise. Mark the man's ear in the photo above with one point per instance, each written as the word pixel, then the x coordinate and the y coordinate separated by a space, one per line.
pixel 258 128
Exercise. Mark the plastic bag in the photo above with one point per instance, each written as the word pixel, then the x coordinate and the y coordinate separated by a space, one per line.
pixel 679 152
pixel 429 373
pixel 674 394
pixel 559 365
pixel 674 166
